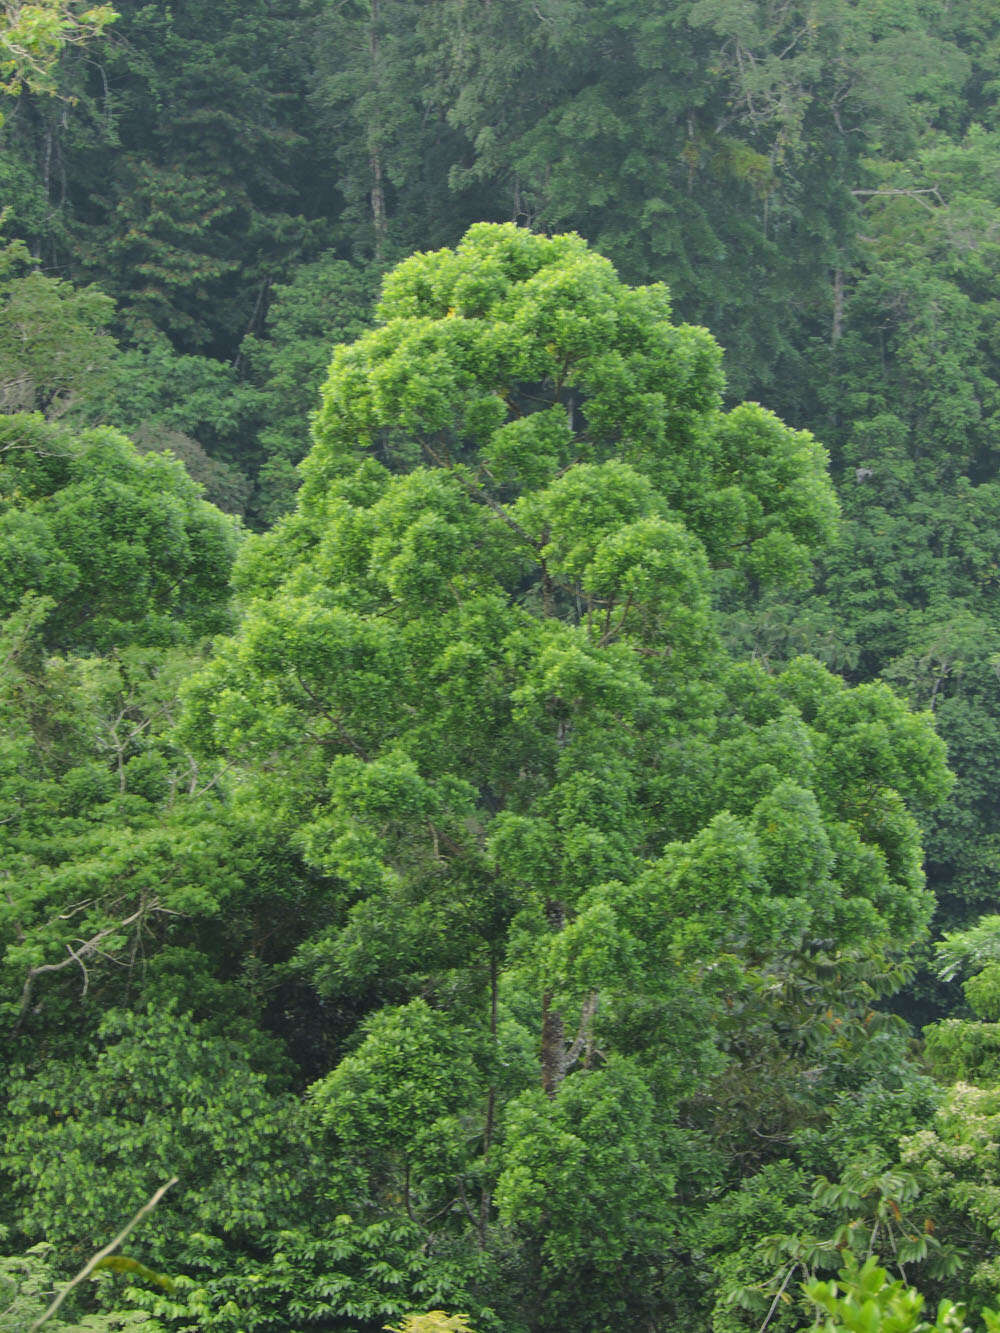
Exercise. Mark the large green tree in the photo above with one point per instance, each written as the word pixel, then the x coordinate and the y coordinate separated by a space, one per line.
pixel 560 829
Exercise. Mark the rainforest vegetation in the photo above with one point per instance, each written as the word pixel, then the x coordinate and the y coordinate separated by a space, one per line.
pixel 500 665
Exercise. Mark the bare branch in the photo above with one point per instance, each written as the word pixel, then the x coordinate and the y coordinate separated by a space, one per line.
pixel 908 194
pixel 335 719
pixel 84 949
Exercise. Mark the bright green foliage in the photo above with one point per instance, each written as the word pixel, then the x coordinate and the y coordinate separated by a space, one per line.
pixel 865 1301
pixel 94 863
pixel 85 1145
pixel 588 1183
pixel 747 1253
pixel 32 36
pixel 394 1106
pixel 436 1321
pixel 122 545
pixel 881 1212
pixel 478 672
pixel 54 348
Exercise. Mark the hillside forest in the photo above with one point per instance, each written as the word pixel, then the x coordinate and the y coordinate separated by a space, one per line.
pixel 500 666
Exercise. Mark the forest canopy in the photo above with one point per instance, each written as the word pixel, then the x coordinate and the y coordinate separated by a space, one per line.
pixel 500 815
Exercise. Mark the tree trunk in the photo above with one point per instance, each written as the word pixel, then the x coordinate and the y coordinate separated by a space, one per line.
pixel 553 1046
pixel 838 306
pixel 553 1029
pixel 486 1198
pixel 375 154
pixel 378 205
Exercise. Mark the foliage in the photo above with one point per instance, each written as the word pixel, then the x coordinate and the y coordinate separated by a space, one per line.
pixel 513 825
pixel 84 1156
pixel 53 343
pixel 327 301
pixel 33 35
pixel 522 493
pixel 865 1301
pixel 960 1180
pixel 101 851
pixel 789 1222
pixel 435 1321
pixel 121 544
pixel 195 183
pixel 27 1282
pixel 334 1273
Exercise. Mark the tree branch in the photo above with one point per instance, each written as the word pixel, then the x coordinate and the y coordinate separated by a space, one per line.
pixel 110 1248
pixel 84 949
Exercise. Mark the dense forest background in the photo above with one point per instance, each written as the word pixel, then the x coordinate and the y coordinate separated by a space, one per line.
pixel 336 845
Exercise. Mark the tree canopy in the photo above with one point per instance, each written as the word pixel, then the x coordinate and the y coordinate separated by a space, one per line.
pixel 478 671
pixel 518 887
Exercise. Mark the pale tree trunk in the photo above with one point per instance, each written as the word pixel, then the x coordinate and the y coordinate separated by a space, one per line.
pixel 378 204
pixel 375 153
pixel 553 1046
pixel 556 1057
pixel 553 1028
pixel 838 306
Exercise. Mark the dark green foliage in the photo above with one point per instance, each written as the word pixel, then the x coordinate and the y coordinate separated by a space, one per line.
pixel 200 150
pixel 327 301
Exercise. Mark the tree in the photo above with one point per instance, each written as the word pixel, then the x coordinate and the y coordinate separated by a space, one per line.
pixel 122 545
pixel 719 143
pixel 866 1301
pixel 27 1283
pixel 435 1321
pixel 54 346
pixel 195 1107
pixel 910 413
pixel 32 36
pixel 326 299
pixel 114 569
pixel 479 673
pixel 178 150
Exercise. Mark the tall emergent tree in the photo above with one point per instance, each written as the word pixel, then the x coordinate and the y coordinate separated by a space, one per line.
pixel 564 837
